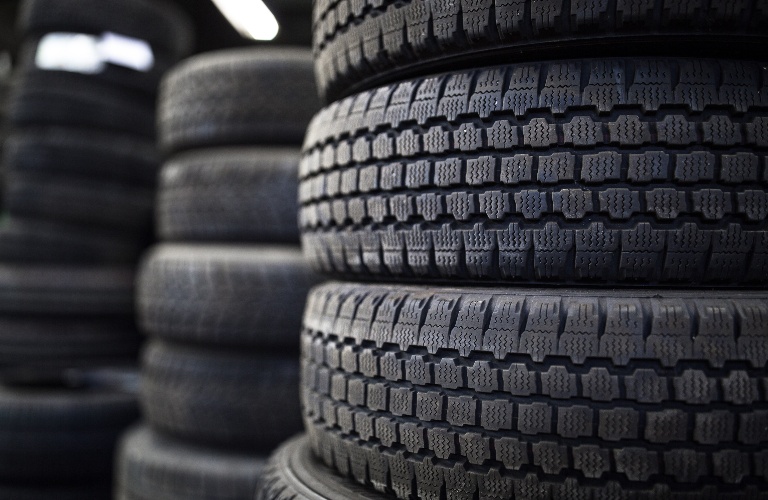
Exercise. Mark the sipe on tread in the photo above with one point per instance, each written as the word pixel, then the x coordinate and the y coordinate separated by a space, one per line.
pixel 418 390
pixel 633 171
pixel 357 43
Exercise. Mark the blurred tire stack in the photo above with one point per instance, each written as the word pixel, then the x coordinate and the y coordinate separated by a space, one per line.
pixel 583 187
pixel 221 297
pixel 79 165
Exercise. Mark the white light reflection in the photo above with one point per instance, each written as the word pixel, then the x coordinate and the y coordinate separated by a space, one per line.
pixel 251 18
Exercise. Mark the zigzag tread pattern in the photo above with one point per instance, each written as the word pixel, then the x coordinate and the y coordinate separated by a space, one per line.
pixel 420 390
pixel 597 252
pixel 354 40
pixel 423 179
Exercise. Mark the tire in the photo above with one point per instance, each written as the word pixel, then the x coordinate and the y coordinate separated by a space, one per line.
pixel 146 82
pixel 66 199
pixel 153 467
pixel 29 342
pixel 292 473
pixel 164 25
pixel 25 241
pixel 230 195
pixel 97 155
pixel 67 99
pixel 4 89
pixel 226 98
pixel 359 46
pixel 564 392
pixel 221 398
pixel 569 178
pixel 226 296
pixel 59 436
pixel 66 290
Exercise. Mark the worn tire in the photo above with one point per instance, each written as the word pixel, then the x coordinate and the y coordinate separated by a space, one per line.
pixel 28 342
pixel 48 98
pixel 605 171
pixel 165 26
pixel 230 195
pixel 237 97
pixel 154 467
pixel 34 241
pixel 236 296
pixel 66 290
pixel 358 44
pixel 83 201
pixel 90 153
pixel 60 436
pixel 221 398
pixel 418 390
pixel 293 473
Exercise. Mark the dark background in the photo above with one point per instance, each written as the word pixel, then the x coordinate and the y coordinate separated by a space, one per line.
pixel 213 30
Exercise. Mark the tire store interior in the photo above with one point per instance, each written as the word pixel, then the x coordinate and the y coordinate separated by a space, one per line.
pixel 383 249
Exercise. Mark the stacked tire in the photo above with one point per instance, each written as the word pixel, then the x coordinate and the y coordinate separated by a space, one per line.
pixel 221 297
pixel 559 253
pixel 79 166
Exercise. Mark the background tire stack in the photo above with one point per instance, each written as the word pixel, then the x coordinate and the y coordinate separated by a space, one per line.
pixel 613 193
pixel 80 167
pixel 221 298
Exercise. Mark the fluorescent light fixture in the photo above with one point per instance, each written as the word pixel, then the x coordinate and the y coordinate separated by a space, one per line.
pixel 251 18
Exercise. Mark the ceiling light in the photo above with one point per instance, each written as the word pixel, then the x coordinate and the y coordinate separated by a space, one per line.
pixel 251 18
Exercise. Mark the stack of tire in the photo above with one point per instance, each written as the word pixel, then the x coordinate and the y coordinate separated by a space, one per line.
pixel 221 297
pixel 80 166
pixel 570 254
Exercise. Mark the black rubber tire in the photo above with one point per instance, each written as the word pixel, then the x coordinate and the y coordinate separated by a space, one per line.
pixel 89 492
pixel 567 177
pixel 249 296
pixel 91 153
pixel 359 44
pixel 245 400
pixel 34 241
pixel 60 436
pixel 230 195
pixel 48 98
pixel 153 467
pixel 66 290
pixel 4 90
pixel 81 201
pixel 164 25
pixel 565 392
pixel 292 473
pixel 28 342
pixel 237 97
pixel 147 82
